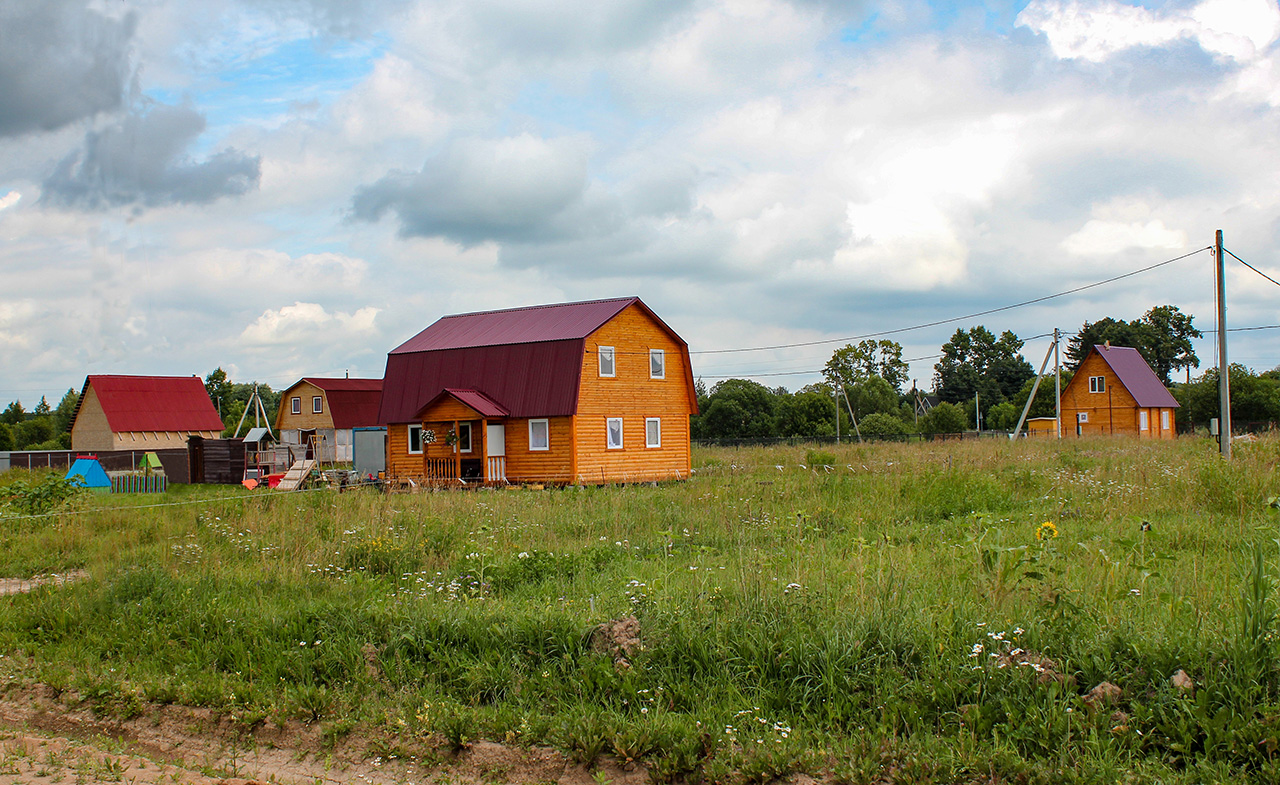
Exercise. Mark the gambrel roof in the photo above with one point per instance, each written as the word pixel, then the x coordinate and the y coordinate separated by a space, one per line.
pixel 353 403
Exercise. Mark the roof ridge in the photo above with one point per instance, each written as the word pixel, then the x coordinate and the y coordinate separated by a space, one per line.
pixel 540 307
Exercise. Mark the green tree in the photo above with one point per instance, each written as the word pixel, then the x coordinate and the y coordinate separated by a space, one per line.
pixel 34 431
pixel 63 415
pixel 1163 336
pixel 806 413
pixel 42 409
pixel 872 396
pixel 1002 417
pixel 975 361
pixel 6 437
pixel 1045 404
pixel 1254 398
pixel 14 414
pixel 739 408
pixel 943 418
pixel 855 364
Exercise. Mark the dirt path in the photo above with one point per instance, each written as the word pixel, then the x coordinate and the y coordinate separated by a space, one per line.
pixel 44 740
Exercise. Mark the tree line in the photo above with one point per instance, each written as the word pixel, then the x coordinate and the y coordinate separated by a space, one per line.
pixel 980 380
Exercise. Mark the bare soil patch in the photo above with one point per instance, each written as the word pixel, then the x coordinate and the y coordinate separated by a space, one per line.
pixel 47 738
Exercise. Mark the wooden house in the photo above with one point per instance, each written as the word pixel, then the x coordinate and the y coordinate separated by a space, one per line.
pixel 323 413
pixel 588 392
pixel 1114 391
pixel 142 413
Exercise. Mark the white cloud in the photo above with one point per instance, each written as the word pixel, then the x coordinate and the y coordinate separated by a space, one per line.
pixel 9 200
pixel 308 324
pixel 1104 238
pixel 1097 29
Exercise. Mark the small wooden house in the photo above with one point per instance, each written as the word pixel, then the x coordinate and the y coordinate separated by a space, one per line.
pixel 142 413
pixel 588 392
pixel 1114 391
pixel 318 412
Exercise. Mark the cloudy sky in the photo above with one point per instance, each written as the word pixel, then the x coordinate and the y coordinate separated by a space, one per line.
pixel 293 187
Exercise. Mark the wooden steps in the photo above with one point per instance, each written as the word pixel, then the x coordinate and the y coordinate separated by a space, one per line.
pixel 296 474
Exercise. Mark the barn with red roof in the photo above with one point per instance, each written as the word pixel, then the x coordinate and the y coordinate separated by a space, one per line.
pixel 1115 392
pixel 586 392
pixel 142 413
pixel 323 413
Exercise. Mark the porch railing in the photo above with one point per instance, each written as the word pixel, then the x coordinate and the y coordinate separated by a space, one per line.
pixel 497 468
pixel 441 469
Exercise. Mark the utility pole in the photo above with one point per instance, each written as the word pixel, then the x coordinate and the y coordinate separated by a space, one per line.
pixel 1057 385
pixel 835 398
pixel 1224 383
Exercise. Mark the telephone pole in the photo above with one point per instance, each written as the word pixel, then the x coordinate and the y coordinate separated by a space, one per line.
pixel 1224 383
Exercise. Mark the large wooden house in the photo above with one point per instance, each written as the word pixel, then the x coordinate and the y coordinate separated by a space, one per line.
pixel 321 414
pixel 142 413
pixel 588 392
pixel 1115 392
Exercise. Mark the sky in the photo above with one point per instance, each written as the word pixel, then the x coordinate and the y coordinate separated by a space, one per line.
pixel 288 188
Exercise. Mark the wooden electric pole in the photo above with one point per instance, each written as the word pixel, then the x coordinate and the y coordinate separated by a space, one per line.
pixel 1224 383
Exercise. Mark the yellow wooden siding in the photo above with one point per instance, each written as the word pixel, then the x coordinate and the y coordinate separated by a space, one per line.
pixel 553 465
pixel 632 395
pixel 306 420
pixel 399 462
pixel 448 409
pixel 91 431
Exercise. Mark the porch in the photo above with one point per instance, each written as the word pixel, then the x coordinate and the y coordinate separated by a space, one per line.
pixel 464 452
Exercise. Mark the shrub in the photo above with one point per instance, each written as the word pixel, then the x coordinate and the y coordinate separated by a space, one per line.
pixel 878 426
pixel 943 418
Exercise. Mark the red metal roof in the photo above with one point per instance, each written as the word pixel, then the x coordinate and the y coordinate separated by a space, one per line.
pixel 476 400
pixel 1137 377
pixel 534 324
pixel 353 403
pixel 154 403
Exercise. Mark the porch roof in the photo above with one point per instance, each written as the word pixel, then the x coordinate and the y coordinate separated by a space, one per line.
pixel 473 399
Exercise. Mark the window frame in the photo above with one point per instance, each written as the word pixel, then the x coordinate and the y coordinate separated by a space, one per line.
pixel 1144 420
pixel 409 438
pixel 608 433
pixel 1097 384
pixel 647 442
pixel 317 404
pixel 466 425
pixel 546 424
pixel 601 352
pixel 1164 419
pixel 1082 417
pixel 661 355
pixel 295 404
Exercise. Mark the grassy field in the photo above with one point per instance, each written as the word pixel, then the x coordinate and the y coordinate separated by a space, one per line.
pixel 882 613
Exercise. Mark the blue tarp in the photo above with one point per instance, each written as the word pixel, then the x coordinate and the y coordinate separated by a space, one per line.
pixel 90 473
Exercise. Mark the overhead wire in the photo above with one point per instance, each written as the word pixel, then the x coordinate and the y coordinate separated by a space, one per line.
pixel 1251 267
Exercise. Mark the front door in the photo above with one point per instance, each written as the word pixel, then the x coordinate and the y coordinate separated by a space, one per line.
pixel 496 451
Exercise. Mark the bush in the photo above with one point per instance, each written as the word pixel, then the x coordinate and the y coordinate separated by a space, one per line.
pixel 1002 417
pixel 943 418
pixel 878 426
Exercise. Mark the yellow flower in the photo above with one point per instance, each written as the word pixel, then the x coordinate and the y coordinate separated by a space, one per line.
pixel 1046 531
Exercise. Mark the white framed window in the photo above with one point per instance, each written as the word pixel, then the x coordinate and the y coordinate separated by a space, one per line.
pixel 652 432
pixel 295 405
pixel 415 439
pixel 657 364
pixel 1082 417
pixel 317 404
pixel 607 367
pixel 1097 384
pixel 464 437
pixel 1164 420
pixel 539 435
pixel 613 433
pixel 1142 420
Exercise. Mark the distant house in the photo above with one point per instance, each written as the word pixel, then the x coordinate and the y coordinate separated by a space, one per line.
pixel 587 392
pixel 142 413
pixel 323 412
pixel 1114 391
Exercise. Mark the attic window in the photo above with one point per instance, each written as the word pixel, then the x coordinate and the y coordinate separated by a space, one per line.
pixel 657 364
pixel 606 360
pixel 1097 384
pixel 295 405
pixel 316 405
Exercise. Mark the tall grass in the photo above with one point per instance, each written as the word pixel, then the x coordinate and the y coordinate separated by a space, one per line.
pixel 941 611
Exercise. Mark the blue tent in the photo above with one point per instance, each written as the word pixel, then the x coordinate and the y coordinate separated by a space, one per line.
pixel 90 474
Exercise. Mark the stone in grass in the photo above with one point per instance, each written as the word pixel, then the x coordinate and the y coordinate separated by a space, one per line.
pixel 1104 694
pixel 1182 682
pixel 619 638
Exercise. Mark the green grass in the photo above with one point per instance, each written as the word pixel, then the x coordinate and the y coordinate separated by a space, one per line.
pixel 925 613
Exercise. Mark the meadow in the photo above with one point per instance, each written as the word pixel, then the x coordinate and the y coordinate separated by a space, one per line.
pixel 885 613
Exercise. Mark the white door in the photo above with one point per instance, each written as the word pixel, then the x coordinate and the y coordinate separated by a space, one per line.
pixel 496 439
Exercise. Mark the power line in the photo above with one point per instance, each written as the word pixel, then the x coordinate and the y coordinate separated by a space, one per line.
pixel 1251 267
pixel 960 318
